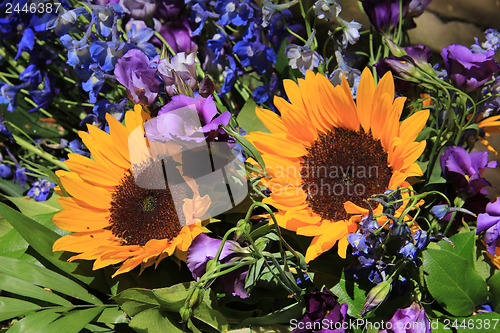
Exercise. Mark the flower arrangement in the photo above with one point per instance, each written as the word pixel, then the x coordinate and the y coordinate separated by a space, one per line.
pixel 216 165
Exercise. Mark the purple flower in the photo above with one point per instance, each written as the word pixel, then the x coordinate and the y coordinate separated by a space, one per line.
pixel 467 70
pixel 404 67
pixel 20 175
pixel 178 36
pixel 139 9
pixel 323 311
pixel 133 71
pixel 409 320
pixel 203 249
pixel 40 189
pixel 234 12
pixel 490 221
pixel 465 170
pixel 384 14
pixel 184 66
pixel 417 7
pixel 180 119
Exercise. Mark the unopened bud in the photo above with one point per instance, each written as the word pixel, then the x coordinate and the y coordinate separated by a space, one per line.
pixel 206 87
pixel 185 314
pixel 211 264
pixel 196 298
pixel 376 296
pixel 395 49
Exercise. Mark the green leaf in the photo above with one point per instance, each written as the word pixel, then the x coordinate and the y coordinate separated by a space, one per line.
pixel 453 282
pixel 31 207
pixel 41 239
pixel 349 292
pixel 23 288
pixel 112 316
pixel 46 278
pixel 35 322
pixel 253 273
pixel 282 316
pixel 494 284
pixel 154 321
pixel 212 317
pixel 248 120
pixel 13 307
pixel 464 245
pixel 10 188
pixel 12 244
pixel 73 321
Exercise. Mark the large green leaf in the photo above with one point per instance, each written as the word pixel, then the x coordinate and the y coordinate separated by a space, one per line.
pixel 349 292
pixel 23 288
pixel 41 239
pixel 73 321
pixel 464 245
pixel 31 207
pixel 35 322
pixel 153 320
pixel 453 282
pixel 46 278
pixel 248 120
pixel 494 284
pixel 12 244
pixel 13 307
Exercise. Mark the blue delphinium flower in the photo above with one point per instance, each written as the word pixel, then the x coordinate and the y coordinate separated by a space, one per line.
pixel 20 175
pixel 8 95
pixel 201 13
pixel 234 12
pixel 5 170
pixel 26 43
pixel 76 146
pixel 44 96
pixel 40 189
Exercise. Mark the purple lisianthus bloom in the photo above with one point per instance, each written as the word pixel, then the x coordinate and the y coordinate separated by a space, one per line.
pixel 465 170
pixel 139 9
pixel 178 36
pixel 186 118
pixel 184 66
pixel 203 249
pixel 490 221
pixel 134 72
pixel 409 320
pixel 468 71
pixel 323 312
pixel 384 14
pixel 417 7
pixel 403 68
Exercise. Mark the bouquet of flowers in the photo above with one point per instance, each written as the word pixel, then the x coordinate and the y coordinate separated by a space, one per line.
pixel 218 165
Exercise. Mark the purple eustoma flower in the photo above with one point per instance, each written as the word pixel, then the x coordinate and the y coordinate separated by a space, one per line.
pixel 490 221
pixel 468 71
pixel 409 320
pixel 384 14
pixel 465 170
pixel 186 118
pixel 184 66
pixel 323 312
pixel 178 36
pixel 203 249
pixel 133 71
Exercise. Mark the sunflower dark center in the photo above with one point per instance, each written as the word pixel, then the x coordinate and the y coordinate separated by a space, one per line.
pixel 140 214
pixel 343 165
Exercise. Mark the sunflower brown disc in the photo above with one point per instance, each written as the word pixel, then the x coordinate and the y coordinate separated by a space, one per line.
pixel 343 165
pixel 138 214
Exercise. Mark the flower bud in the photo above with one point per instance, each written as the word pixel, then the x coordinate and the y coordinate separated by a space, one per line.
pixel 185 314
pixel 376 296
pixel 196 298
pixel 206 87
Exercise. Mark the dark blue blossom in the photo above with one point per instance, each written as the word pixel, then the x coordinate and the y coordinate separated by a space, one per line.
pixel 93 85
pixel 65 23
pixel 140 37
pixel 31 74
pixel 40 189
pixel 201 13
pixel 44 96
pixel 230 75
pixel 5 170
pixel 76 146
pixel 26 43
pixel 255 54
pixel 103 107
pixel 20 175
pixel 234 12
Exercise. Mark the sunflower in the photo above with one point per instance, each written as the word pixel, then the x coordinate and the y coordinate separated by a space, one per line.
pixel 326 154
pixel 113 220
pixel 489 125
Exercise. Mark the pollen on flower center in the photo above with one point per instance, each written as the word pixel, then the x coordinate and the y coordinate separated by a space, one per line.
pixel 139 214
pixel 343 165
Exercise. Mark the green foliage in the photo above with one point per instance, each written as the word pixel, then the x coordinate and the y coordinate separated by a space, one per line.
pixel 157 310
pixel 450 275
pixel 248 120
